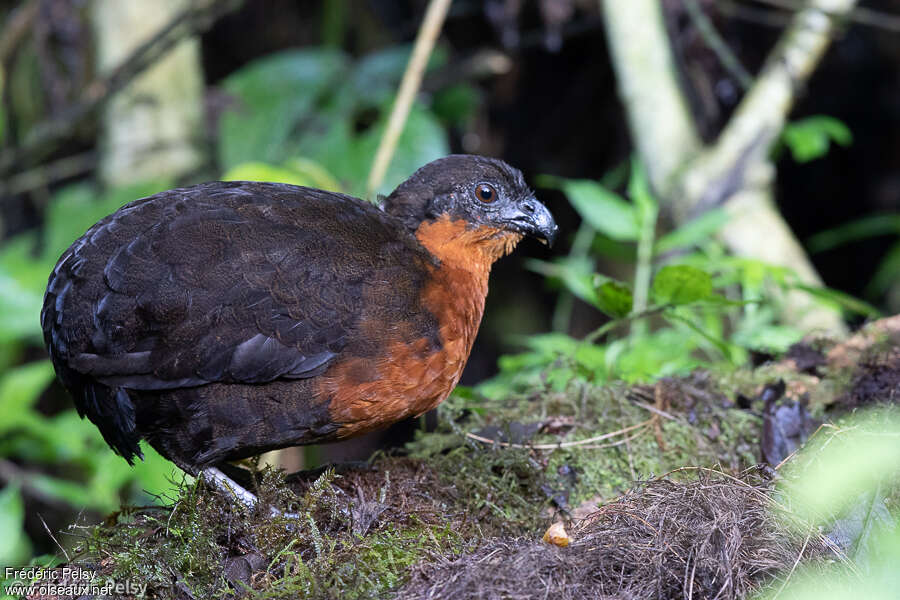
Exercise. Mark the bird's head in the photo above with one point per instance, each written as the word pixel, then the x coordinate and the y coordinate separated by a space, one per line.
pixel 483 199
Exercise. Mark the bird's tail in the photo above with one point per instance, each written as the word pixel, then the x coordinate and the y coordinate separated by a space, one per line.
pixel 110 409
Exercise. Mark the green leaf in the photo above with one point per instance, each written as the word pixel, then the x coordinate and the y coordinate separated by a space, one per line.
pixel 349 155
pixel 810 138
pixel 19 390
pixel 843 300
pixel 373 79
pixel 318 175
pixel 423 140
pixel 681 284
pixel 639 191
pixel 272 96
pixel 20 303
pixel 456 104
pixel 692 233
pixel 258 171
pixel 721 345
pixel 861 229
pixel 839 465
pixel 887 272
pixel 614 298
pixel 604 210
pixel 14 546
pixel 659 354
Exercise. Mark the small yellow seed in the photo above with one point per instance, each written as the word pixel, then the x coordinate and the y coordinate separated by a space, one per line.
pixel 556 535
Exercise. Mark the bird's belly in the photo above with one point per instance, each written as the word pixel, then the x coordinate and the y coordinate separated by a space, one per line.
pixel 407 381
pixel 410 376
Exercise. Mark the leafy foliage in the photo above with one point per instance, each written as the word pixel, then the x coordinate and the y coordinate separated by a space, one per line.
pixel 320 106
pixel 810 138
pixel 868 227
pixel 67 460
pixel 716 307
pixel 846 481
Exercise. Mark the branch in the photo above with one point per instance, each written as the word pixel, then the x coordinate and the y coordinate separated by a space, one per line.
pixel 409 85
pixel 863 16
pixel 761 115
pixel 735 171
pixel 46 135
pixel 662 127
pixel 714 41
pixel 17 25
pixel 47 174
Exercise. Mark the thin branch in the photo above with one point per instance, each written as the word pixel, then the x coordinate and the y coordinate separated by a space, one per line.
pixel 409 86
pixel 860 15
pixel 793 568
pixel 717 44
pixel 46 174
pixel 44 136
pixel 53 537
pixel 572 444
pixel 17 25
pixel 659 116
pixel 760 117
pixel 11 473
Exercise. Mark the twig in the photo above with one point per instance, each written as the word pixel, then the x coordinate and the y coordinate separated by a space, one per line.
pixel 573 444
pixel 604 329
pixel 53 537
pixel 723 52
pixel 736 9
pixel 17 25
pixel 793 568
pixel 43 175
pixel 198 17
pixel 656 411
pixel 409 85
pixel 862 16
pixel 12 473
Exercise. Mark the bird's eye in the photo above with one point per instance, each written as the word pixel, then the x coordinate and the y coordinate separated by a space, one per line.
pixel 485 192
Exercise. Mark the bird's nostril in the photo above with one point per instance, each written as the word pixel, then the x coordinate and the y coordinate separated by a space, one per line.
pixel 528 207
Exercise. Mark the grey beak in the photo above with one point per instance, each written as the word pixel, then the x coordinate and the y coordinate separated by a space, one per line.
pixel 532 218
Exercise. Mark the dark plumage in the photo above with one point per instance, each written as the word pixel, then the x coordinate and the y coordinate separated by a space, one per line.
pixel 225 319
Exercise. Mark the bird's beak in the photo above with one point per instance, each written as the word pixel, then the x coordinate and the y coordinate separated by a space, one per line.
pixel 532 218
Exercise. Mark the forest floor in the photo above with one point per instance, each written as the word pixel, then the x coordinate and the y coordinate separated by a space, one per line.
pixel 669 490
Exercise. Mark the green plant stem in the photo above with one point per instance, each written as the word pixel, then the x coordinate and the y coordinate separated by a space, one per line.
pixel 644 269
pixel 409 85
pixel 581 246
pixel 714 41
pixel 603 330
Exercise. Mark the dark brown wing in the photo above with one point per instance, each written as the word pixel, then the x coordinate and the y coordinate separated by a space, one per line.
pixel 222 282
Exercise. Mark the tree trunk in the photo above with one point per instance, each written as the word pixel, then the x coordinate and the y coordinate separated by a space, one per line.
pixel 153 128
pixel 735 171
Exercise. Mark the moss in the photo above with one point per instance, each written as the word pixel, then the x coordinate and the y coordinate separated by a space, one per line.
pixel 162 546
pixel 702 427
pixel 359 533
pixel 336 537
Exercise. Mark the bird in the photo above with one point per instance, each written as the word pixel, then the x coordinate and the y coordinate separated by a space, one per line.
pixel 226 319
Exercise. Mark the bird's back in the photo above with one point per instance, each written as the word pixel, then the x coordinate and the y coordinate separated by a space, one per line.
pixel 224 283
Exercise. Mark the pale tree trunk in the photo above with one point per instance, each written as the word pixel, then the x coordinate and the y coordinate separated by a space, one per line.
pixel 153 128
pixel 735 170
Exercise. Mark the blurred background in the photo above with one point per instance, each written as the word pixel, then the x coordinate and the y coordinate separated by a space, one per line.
pixel 106 101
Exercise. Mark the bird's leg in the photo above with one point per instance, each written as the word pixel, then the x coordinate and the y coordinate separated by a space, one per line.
pixel 229 487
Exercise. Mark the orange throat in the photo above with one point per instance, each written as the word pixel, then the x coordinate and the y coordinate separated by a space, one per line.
pixel 457 245
pixel 411 380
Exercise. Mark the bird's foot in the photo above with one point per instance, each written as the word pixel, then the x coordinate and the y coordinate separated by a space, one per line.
pixel 231 489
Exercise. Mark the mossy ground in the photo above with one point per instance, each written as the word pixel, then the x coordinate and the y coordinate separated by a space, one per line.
pixel 361 532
